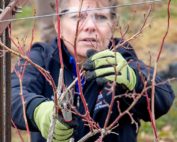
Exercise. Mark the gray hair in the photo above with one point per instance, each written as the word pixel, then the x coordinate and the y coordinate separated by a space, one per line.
pixel 63 6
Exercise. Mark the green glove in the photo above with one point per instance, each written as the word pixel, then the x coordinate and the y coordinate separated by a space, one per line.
pixel 107 66
pixel 42 118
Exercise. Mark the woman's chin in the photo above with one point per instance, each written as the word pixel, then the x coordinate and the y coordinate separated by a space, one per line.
pixel 82 50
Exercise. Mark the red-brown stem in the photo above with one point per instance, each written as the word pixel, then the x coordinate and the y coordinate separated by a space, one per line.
pixel 23 105
pixel 150 114
pixel 58 34
pixel 111 105
pixel 150 105
pixel 60 51
pixel 86 117
pixel 166 33
pixel 87 113
pixel 155 72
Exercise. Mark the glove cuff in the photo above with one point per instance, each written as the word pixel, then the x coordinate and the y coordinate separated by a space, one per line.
pixel 41 113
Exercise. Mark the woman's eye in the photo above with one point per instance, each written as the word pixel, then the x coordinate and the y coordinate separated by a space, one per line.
pixel 101 17
pixel 75 17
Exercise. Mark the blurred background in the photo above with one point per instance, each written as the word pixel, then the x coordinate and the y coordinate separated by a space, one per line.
pixel 147 45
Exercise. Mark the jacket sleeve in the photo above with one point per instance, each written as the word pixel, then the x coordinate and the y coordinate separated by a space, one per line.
pixel 164 95
pixel 32 86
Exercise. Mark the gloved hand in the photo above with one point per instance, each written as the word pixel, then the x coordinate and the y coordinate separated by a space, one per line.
pixel 42 118
pixel 107 66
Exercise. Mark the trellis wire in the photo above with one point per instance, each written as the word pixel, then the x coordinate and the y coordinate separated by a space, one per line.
pixel 65 13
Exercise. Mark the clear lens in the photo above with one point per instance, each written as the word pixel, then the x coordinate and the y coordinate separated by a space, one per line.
pixel 98 16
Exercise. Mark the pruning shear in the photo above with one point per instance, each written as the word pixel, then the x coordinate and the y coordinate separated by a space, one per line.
pixel 65 106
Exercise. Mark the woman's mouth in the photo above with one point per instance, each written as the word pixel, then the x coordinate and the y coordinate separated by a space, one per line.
pixel 89 40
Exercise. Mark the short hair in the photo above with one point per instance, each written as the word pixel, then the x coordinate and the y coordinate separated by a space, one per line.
pixel 63 5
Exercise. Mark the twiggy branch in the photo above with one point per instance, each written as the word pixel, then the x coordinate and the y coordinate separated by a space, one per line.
pixel 23 105
pixel 155 71
pixel 138 33
pixel 167 30
pixel 46 74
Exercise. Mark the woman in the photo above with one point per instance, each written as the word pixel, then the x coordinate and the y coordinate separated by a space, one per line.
pixel 103 65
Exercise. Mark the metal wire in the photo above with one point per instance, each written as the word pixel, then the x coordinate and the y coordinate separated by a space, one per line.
pixel 65 13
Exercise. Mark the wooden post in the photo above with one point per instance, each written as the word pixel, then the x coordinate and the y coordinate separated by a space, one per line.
pixel 5 86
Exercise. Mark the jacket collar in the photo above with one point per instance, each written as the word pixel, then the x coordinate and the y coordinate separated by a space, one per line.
pixel 66 55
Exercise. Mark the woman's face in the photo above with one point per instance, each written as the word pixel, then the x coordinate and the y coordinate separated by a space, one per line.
pixel 94 30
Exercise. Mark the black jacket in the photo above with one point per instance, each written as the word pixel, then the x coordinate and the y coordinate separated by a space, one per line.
pixel 36 90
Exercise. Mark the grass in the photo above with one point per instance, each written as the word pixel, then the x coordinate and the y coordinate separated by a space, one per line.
pixel 163 13
pixel 27 11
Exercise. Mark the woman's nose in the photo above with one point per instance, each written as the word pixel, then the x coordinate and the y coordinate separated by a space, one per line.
pixel 89 24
